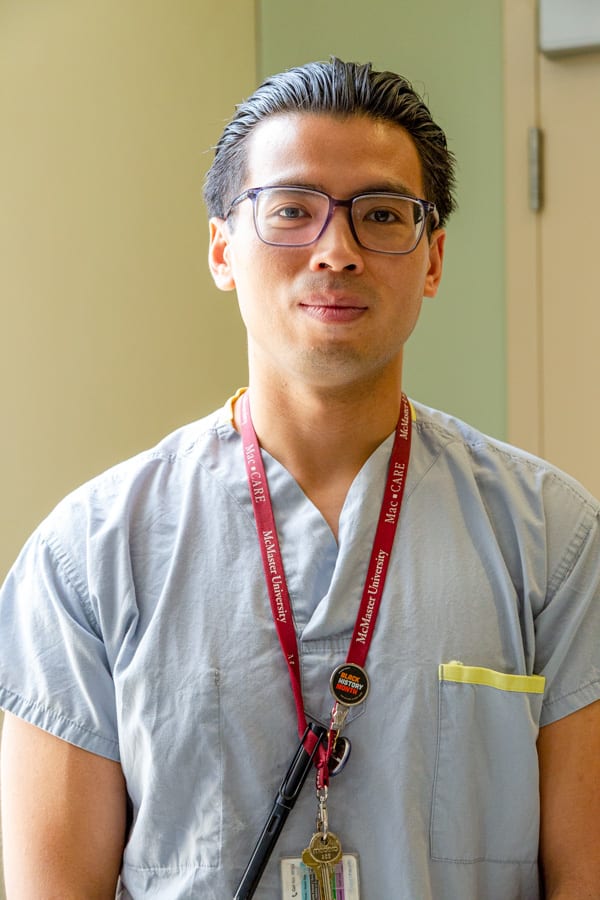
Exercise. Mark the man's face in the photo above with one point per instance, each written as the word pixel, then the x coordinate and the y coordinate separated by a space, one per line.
pixel 332 313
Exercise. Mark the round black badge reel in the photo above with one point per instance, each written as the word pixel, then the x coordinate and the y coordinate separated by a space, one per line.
pixel 349 684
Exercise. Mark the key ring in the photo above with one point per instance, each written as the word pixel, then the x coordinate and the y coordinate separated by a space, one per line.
pixel 322 814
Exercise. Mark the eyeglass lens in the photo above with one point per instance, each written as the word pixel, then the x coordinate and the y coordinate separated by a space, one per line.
pixel 294 216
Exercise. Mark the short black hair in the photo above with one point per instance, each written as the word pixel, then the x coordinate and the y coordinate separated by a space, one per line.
pixel 338 89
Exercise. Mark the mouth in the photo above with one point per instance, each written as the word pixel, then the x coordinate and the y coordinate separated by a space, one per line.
pixel 330 306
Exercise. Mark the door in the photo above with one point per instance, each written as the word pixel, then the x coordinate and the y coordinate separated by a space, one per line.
pixel 553 256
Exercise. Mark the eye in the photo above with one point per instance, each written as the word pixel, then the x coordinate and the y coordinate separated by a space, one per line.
pixel 290 212
pixel 393 212
pixel 285 211
pixel 383 216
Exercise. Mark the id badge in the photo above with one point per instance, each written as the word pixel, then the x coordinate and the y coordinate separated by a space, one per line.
pixel 298 882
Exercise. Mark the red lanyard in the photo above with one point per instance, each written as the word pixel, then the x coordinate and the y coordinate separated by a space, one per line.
pixel 271 553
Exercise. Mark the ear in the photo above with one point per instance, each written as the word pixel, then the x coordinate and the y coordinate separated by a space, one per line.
pixel 437 243
pixel 219 253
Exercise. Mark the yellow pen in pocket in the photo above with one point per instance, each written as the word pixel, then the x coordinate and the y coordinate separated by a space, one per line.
pixel 458 672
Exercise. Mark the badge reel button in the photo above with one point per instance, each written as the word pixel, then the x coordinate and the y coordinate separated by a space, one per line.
pixel 349 684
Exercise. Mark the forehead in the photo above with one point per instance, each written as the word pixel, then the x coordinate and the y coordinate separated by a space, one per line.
pixel 341 156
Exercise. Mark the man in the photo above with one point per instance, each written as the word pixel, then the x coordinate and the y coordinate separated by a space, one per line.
pixel 152 710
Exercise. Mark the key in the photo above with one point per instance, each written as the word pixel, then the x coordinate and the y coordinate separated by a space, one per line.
pixel 321 855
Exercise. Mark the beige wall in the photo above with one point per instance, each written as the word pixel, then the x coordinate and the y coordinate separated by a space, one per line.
pixel 112 333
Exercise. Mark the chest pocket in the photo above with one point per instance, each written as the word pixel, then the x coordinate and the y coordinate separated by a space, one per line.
pixel 486 792
pixel 172 758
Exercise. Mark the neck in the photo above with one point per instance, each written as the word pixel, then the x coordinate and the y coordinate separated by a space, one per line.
pixel 324 437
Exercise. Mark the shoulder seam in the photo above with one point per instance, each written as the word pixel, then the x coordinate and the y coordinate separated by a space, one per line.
pixel 63 562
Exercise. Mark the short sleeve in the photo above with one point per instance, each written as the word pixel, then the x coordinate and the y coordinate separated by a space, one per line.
pixel 54 670
pixel 568 627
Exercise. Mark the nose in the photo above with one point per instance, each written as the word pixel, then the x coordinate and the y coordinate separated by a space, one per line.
pixel 337 248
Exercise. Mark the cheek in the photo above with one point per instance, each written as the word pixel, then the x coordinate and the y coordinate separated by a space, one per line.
pixel 416 313
pixel 255 296
pixel 264 276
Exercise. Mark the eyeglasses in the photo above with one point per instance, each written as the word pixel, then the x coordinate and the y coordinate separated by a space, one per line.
pixel 296 217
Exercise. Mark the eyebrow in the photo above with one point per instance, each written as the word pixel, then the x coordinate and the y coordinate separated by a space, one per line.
pixel 385 187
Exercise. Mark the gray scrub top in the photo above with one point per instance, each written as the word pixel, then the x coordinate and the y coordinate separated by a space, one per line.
pixel 136 624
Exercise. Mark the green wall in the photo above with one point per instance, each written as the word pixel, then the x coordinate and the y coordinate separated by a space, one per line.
pixel 452 52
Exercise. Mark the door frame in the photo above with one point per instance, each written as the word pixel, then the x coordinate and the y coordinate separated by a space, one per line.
pixel 524 311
